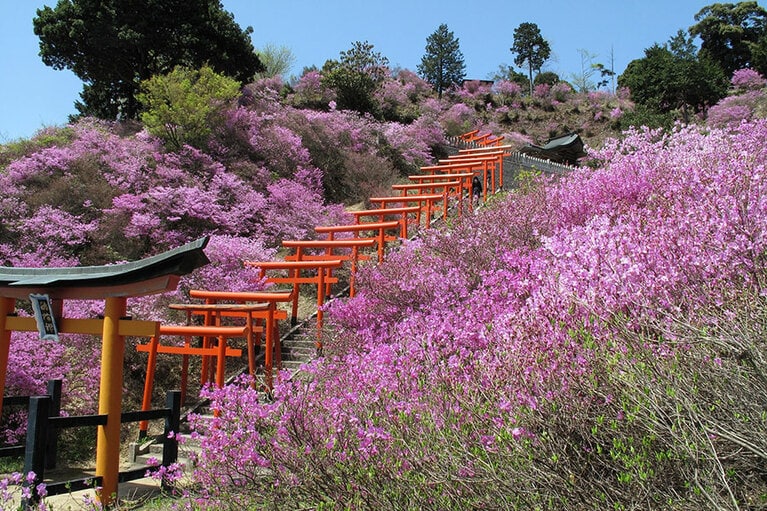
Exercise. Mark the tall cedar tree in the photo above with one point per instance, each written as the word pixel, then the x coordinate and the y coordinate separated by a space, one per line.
pixel 113 45
pixel 733 35
pixel 531 48
pixel 442 65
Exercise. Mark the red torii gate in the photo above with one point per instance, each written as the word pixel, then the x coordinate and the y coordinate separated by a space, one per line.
pixel 114 284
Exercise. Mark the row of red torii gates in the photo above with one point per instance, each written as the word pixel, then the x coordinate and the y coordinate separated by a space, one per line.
pixel 415 203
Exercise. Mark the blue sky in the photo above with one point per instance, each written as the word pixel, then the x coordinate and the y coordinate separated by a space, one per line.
pixel 33 96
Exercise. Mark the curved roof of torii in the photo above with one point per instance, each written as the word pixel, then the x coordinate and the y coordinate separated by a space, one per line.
pixel 151 275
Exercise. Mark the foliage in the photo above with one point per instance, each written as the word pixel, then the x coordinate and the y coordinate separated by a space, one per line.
pixel 746 101
pixel 547 77
pixel 276 60
pixel 401 96
pixel 356 76
pixel 747 79
pixel 530 47
pixel 733 35
pixel 669 77
pixel 310 93
pixel 592 343
pixel 442 65
pixel 643 116
pixel 113 46
pixel 182 106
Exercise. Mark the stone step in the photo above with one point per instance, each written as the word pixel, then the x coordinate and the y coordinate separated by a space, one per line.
pixel 141 453
pixel 304 353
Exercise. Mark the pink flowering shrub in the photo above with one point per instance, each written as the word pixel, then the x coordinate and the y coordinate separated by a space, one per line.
pixel 414 141
pixel 746 101
pixel 541 91
pixel 458 119
pixel 735 109
pixel 473 90
pixel 298 207
pixel 400 96
pixel 597 98
pixel 533 344
pixel 747 79
pixel 507 92
pixel 309 92
pixel 561 91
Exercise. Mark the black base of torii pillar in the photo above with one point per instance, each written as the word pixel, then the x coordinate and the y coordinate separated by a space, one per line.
pixel 114 284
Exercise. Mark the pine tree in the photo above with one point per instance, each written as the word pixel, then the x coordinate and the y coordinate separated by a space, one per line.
pixel 531 48
pixel 442 65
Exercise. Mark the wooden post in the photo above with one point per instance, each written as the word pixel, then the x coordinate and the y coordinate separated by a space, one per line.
pixel 52 444
pixel 34 451
pixel 110 399
pixel 320 312
pixel 172 425
pixel 221 361
pixel 7 306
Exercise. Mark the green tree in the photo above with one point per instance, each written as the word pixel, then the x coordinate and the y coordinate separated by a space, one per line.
pixel 355 77
pixel 531 48
pixel 442 65
pixel 585 80
pixel 673 77
pixel 277 60
pixel 547 77
pixel 183 106
pixel 112 45
pixel 733 35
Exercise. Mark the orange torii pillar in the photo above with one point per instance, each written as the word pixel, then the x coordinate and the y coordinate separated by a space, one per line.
pixel 110 398
pixel 7 307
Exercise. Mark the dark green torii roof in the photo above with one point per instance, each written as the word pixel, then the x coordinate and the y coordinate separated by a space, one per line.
pixel 153 274
pixel 563 149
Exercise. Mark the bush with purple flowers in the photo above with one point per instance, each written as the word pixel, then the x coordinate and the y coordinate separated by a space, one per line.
pixel 549 351
pixel 593 341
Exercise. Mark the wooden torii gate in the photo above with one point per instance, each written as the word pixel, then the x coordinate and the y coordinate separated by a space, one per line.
pixel 114 284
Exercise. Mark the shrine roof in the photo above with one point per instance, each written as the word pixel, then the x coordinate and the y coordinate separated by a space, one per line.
pixel 153 274
pixel 563 149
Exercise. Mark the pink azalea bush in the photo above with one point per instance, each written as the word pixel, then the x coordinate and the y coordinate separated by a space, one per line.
pixel 400 96
pixel 507 91
pixel 534 354
pixel 309 92
pixel 747 79
pixel 744 103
